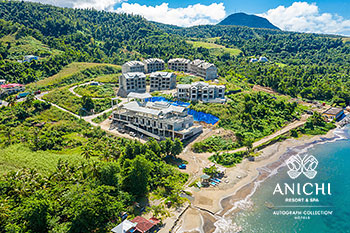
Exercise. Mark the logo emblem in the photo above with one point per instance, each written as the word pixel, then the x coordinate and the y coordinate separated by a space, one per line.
pixel 298 165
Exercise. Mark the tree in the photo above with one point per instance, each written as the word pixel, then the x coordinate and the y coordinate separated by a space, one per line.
pixel 177 147
pixel 87 151
pixel 136 174
pixel 88 103
pixel 249 144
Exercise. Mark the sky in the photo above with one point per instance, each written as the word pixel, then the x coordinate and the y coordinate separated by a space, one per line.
pixel 318 16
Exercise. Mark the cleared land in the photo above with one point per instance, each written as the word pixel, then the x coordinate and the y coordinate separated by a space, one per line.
pixel 67 72
pixel 215 48
pixel 27 46
pixel 18 156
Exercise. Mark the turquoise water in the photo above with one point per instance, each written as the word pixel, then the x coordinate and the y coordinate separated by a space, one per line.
pixel 333 167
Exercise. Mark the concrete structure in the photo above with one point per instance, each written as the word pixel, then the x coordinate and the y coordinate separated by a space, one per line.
pixel 131 82
pixel 133 66
pixel 30 58
pixel 252 60
pixel 2 81
pixel 204 69
pixel 11 88
pixel 201 91
pixel 153 65
pixel 162 81
pixel 333 113
pixel 155 119
pixel 179 64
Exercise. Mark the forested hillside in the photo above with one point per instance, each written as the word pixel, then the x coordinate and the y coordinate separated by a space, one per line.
pixel 81 35
pixel 308 65
pixel 312 66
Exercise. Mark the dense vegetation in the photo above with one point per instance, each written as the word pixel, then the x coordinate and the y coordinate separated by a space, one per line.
pixel 81 35
pixel 250 116
pixel 308 65
pixel 112 173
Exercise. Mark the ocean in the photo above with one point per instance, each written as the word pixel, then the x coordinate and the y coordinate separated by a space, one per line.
pixel 267 212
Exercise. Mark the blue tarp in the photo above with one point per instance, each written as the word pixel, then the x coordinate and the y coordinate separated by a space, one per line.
pixel 197 116
pixel 201 116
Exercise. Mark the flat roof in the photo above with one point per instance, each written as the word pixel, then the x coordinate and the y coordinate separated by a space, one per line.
pixel 124 226
pixel 139 95
pixel 333 111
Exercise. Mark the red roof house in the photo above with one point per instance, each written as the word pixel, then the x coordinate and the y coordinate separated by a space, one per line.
pixel 144 225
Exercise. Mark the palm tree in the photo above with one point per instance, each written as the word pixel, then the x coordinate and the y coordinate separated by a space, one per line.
pixel 87 152
pixel 11 100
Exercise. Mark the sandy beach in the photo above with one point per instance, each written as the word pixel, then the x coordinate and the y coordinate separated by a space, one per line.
pixel 214 202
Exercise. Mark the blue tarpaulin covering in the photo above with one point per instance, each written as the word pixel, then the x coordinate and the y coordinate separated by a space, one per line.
pixel 197 116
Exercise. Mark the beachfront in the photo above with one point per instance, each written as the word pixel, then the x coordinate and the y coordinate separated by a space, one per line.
pixel 211 204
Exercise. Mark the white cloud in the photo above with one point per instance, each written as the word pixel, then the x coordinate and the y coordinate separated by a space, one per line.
pixel 191 15
pixel 96 4
pixel 305 17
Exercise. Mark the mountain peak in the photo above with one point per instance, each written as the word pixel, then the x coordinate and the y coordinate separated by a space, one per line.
pixel 243 19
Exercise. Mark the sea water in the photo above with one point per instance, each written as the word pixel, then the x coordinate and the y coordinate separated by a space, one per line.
pixel 302 213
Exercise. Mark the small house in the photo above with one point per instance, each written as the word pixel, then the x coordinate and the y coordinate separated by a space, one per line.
pixel 2 81
pixel 253 60
pixel 125 227
pixel 333 113
pixel 145 226
pixel 30 58
pixel 263 59
pixel 205 179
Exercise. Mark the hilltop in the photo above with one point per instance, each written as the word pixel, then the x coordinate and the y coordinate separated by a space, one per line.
pixel 252 21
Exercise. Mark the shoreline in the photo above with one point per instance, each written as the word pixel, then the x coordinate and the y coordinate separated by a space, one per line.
pixel 243 180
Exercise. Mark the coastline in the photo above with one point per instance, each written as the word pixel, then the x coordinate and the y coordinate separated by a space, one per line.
pixel 210 205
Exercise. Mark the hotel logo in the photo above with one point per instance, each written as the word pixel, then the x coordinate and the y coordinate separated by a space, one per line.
pixel 298 166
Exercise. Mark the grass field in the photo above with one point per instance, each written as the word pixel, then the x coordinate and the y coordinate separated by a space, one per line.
pixel 346 39
pixel 215 48
pixel 108 78
pixel 71 72
pixel 65 99
pixel 27 46
pixel 18 156
pixel 100 91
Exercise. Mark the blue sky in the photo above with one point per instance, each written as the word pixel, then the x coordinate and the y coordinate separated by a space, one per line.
pixel 319 16
pixel 341 7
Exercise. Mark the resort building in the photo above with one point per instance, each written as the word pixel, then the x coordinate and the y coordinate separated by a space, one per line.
pixel 11 88
pixel 153 65
pixel 179 64
pixel 204 69
pixel 162 81
pixel 159 120
pixel 333 113
pixel 132 82
pixel 133 66
pixel 201 91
